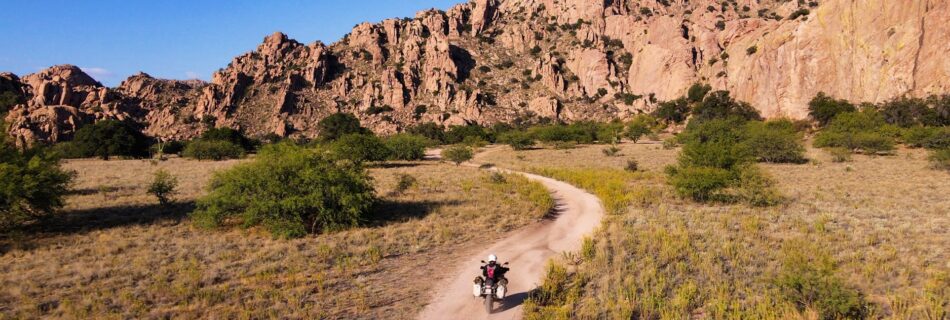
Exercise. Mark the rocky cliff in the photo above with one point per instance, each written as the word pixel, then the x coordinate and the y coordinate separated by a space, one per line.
pixel 490 61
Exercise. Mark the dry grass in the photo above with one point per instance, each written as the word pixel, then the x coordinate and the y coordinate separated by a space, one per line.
pixel 116 254
pixel 883 221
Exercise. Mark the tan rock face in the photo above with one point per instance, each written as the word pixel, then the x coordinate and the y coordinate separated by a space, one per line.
pixel 490 61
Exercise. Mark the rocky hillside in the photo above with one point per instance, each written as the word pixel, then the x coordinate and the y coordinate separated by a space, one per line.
pixel 490 61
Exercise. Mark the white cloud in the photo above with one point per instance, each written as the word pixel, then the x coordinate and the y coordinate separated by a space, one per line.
pixel 98 73
pixel 192 75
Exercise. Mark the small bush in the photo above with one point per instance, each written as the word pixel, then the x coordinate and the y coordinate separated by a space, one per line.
pixel 32 186
pixel 289 190
pixel 360 148
pixel 111 138
pixel 639 127
pixel 756 188
pixel 926 137
pixel 517 140
pixel 865 131
pixel 823 108
pixel 807 279
pixel 698 183
pixel 339 124
pixel 163 186
pixel 404 182
pixel 940 159
pixel 216 150
pixel 408 147
pixel 774 141
pixel 839 154
pixel 632 166
pixel 719 105
pixel 457 154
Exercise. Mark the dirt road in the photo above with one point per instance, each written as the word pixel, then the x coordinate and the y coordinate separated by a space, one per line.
pixel 528 250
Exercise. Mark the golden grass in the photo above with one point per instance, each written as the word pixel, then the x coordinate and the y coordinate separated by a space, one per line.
pixel 881 220
pixel 115 254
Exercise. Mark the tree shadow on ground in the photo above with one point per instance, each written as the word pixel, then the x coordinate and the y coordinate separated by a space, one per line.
pixel 88 220
pixel 515 300
pixel 388 211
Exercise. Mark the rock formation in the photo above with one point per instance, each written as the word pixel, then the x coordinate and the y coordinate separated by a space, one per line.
pixel 490 61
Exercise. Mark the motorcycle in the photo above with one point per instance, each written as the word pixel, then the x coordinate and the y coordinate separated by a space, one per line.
pixel 491 288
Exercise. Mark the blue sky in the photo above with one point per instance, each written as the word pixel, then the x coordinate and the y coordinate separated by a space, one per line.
pixel 112 39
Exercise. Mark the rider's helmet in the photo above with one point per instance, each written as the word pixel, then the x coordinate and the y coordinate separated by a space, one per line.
pixel 492 259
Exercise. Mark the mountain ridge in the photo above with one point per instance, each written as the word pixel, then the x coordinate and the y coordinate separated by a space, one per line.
pixel 490 61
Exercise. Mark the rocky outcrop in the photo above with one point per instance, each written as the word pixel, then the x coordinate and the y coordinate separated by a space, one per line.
pixel 490 61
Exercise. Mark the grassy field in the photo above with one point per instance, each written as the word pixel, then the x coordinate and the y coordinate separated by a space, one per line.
pixel 114 253
pixel 877 225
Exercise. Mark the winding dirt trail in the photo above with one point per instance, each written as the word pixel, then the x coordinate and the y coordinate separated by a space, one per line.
pixel 528 250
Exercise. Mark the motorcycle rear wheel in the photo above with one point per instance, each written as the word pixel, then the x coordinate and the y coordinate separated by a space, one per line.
pixel 488 303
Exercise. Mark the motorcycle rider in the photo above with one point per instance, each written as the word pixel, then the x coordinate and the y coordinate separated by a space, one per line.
pixel 495 271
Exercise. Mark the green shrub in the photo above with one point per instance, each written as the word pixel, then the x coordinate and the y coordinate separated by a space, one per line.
pixel 640 126
pixel 715 143
pixel 458 134
pixel 697 92
pixel 697 182
pixel 823 108
pixel 111 138
pixel 68 150
pixel 674 111
pixel 926 137
pixel 457 154
pixel 807 279
pixel 775 141
pixel 940 159
pixel 756 188
pixel 408 147
pixel 360 148
pixel 518 140
pixel 404 182
pixel 230 135
pixel 216 150
pixel 339 124
pixel 289 190
pixel 864 131
pixel 611 132
pixel 32 186
pixel 429 130
pixel 719 105
pixel 163 186
pixel 907 112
